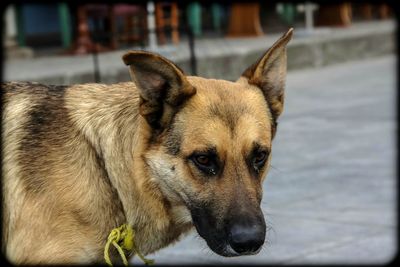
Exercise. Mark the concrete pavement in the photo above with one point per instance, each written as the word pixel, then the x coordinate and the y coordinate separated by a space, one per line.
pixel 330 197
pixel 222 58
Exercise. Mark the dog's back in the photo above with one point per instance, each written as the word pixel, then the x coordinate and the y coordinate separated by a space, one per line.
pixel 54 180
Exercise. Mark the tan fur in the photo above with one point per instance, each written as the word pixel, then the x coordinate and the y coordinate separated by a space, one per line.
pixel 80 163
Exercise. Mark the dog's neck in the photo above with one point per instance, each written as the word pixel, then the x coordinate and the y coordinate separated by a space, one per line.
pixel 127 138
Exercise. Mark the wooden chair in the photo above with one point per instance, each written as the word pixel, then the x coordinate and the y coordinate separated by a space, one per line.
pixel 167 19
pixel 83 43
pixel 109 15
pixel 135 24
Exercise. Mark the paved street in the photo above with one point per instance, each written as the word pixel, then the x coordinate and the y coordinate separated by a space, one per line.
pixel 330 196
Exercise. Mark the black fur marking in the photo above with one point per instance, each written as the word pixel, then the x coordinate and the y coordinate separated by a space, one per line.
pixel 45 114
pixel 274 123
pixel 173 142
pixel 46 131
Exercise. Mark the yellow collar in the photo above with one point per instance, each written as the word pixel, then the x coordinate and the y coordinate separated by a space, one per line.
pixel 122 239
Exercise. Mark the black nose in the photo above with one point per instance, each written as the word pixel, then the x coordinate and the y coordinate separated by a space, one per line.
pixel 247 239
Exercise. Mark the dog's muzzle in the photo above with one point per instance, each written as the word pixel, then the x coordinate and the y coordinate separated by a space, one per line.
pixel 238 235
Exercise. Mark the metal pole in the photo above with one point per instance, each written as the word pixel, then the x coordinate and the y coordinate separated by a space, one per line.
pixel 308 10
pixel 96 38
pixel 96 73
pixel 151 22
pixel 10 22
pixel 193 60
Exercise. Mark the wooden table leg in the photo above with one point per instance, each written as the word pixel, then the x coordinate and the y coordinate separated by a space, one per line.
pixel 384 11
pixel 159 12
pixel 244 20
pixel 334 15
pixel 366 11
pixel 175 23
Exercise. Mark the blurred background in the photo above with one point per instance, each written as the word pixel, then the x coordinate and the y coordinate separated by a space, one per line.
pixel 85 42
pixel 331 195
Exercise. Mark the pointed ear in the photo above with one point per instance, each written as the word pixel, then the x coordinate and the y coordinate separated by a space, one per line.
pixel 162 85
pixel 269 74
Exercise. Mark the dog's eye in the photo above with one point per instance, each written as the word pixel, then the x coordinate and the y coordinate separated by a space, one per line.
pixel 259 158
pixel 203 160
pixel 205 163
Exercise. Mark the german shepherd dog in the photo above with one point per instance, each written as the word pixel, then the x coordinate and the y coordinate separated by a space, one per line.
pixel 161 154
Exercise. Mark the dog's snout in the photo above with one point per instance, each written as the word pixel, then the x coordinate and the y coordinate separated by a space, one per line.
pixel 247 239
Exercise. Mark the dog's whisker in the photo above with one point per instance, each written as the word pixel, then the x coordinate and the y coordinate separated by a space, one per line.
pixel 276 169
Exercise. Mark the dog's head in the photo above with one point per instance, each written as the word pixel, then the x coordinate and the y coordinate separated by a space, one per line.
pixel 210 146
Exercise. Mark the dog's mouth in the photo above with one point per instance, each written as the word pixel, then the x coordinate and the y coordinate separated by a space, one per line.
pixel 225 249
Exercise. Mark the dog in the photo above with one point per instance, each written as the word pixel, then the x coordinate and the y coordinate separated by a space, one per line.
pixel 164 154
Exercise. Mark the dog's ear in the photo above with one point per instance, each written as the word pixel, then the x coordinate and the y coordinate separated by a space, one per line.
pixel 163 86
pixel 269 74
